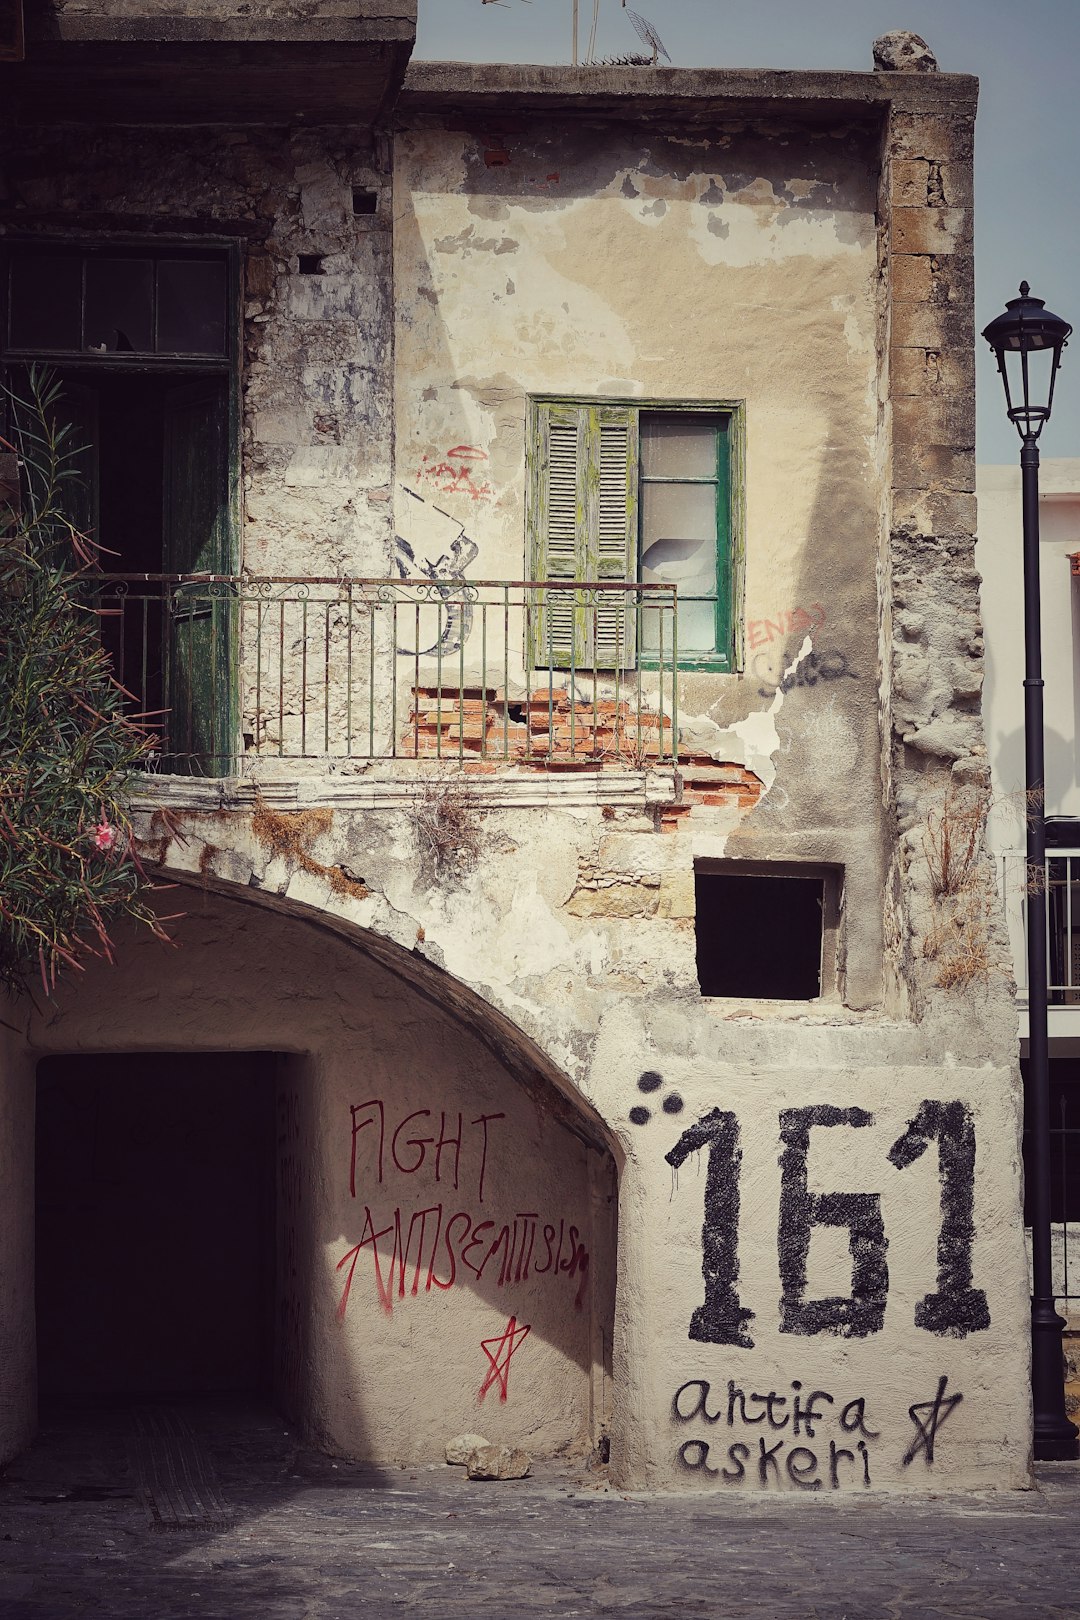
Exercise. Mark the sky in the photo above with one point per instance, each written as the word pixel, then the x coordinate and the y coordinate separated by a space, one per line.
pixel 1026 54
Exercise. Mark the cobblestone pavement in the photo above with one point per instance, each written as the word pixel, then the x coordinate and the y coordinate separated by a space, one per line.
pixel 305 1538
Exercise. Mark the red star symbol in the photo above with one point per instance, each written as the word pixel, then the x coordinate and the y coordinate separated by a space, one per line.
pixel 498 1352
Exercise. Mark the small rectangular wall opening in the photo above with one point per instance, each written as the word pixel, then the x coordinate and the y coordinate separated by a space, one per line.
pixel 766 931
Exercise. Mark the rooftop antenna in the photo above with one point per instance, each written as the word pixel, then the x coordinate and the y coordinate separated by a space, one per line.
pixel 647 34
pixel 590 50
pixel 590 54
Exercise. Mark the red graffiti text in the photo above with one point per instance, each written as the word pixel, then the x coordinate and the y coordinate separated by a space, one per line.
pixel 430 1249
pixel 791 621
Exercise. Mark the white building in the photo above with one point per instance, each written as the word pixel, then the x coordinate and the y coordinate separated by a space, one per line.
pixel 999 555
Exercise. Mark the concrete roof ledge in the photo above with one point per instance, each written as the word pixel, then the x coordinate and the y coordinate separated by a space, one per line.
pixel 689 93
pixel 390 20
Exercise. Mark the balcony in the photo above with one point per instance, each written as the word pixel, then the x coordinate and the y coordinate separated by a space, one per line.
pixel 1062 882
pixel 239 671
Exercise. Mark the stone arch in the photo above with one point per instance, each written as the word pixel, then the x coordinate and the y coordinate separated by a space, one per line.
pixel 415 1254
pixel 518 1051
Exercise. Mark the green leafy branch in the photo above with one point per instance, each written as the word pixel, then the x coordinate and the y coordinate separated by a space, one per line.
pixel 68 866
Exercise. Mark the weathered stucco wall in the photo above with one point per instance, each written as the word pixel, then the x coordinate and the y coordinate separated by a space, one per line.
pixel 683 265
pixel 316 348
pixel 398 1259
pixel 830 1173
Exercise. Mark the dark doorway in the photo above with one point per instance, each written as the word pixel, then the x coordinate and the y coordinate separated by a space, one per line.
pixel 155 1223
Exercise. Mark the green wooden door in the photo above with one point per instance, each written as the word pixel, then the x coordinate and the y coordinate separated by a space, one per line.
pixel 196 541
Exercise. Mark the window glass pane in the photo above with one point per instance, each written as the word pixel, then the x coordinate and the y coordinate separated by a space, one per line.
pixel 678 536
pixel 192 301
pixel 681 446
pixel 697 629
pixel 119 306
pixel 45 299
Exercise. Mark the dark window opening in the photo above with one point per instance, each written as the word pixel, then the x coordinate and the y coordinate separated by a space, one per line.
pixel 364 201
pixel 311 264
pixel 155 1223
pixel 760 935
pixel 152 492
pixel 1064 1151
pixel 117 302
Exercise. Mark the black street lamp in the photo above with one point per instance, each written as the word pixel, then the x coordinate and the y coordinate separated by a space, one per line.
pixel 1028 341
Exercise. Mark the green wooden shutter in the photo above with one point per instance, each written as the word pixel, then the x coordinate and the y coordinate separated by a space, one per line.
pixel 583 527
pixel 556 524
pixel 612 624
pixel 195 541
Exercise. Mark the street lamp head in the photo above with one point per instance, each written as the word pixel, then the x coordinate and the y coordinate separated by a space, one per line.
pixel 1028 341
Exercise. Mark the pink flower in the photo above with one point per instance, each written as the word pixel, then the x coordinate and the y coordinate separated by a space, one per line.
pixel 104 835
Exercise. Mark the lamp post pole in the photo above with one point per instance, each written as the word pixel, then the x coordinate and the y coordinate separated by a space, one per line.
pixel 1023 339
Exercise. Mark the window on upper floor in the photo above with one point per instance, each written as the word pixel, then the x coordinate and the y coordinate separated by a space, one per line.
pixel 141 339
pixel 80 302
pixel 640 494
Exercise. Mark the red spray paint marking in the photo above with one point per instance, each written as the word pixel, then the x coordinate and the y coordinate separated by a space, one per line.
pixel 499 1352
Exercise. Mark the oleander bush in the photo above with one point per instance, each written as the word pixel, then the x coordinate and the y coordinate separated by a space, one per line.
pixel 68 866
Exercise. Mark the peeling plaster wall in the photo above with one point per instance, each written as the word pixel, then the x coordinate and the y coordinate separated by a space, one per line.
pixel 609 261
pixel 316 362
pixel 906 1185
pixel 397 1260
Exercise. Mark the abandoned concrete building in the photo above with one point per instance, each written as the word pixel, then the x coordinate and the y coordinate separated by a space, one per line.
pixel 542 500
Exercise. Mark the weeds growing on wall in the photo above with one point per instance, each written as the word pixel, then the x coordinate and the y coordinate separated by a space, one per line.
pixel 953 840
pixel 448 827
pixel 957 940
pixel 68 867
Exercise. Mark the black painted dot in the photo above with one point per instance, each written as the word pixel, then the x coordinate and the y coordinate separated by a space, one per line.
pixel 673 1103
pixel 650 1081
pixel 640 1116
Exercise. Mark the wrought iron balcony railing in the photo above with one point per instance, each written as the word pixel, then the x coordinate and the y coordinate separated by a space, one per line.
pixel 1062 880
pixel 237 669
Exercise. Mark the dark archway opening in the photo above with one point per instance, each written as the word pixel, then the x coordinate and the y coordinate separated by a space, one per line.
pixel 155 1223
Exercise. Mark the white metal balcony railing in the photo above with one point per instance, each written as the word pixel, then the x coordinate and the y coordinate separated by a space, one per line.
pixel 236 669
pixel 1062 882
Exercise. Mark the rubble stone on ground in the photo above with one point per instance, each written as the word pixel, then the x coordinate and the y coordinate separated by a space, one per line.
pixel 498 1462
pixel 459 1448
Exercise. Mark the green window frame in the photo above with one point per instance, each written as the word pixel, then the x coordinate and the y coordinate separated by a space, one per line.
pixel 596 492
